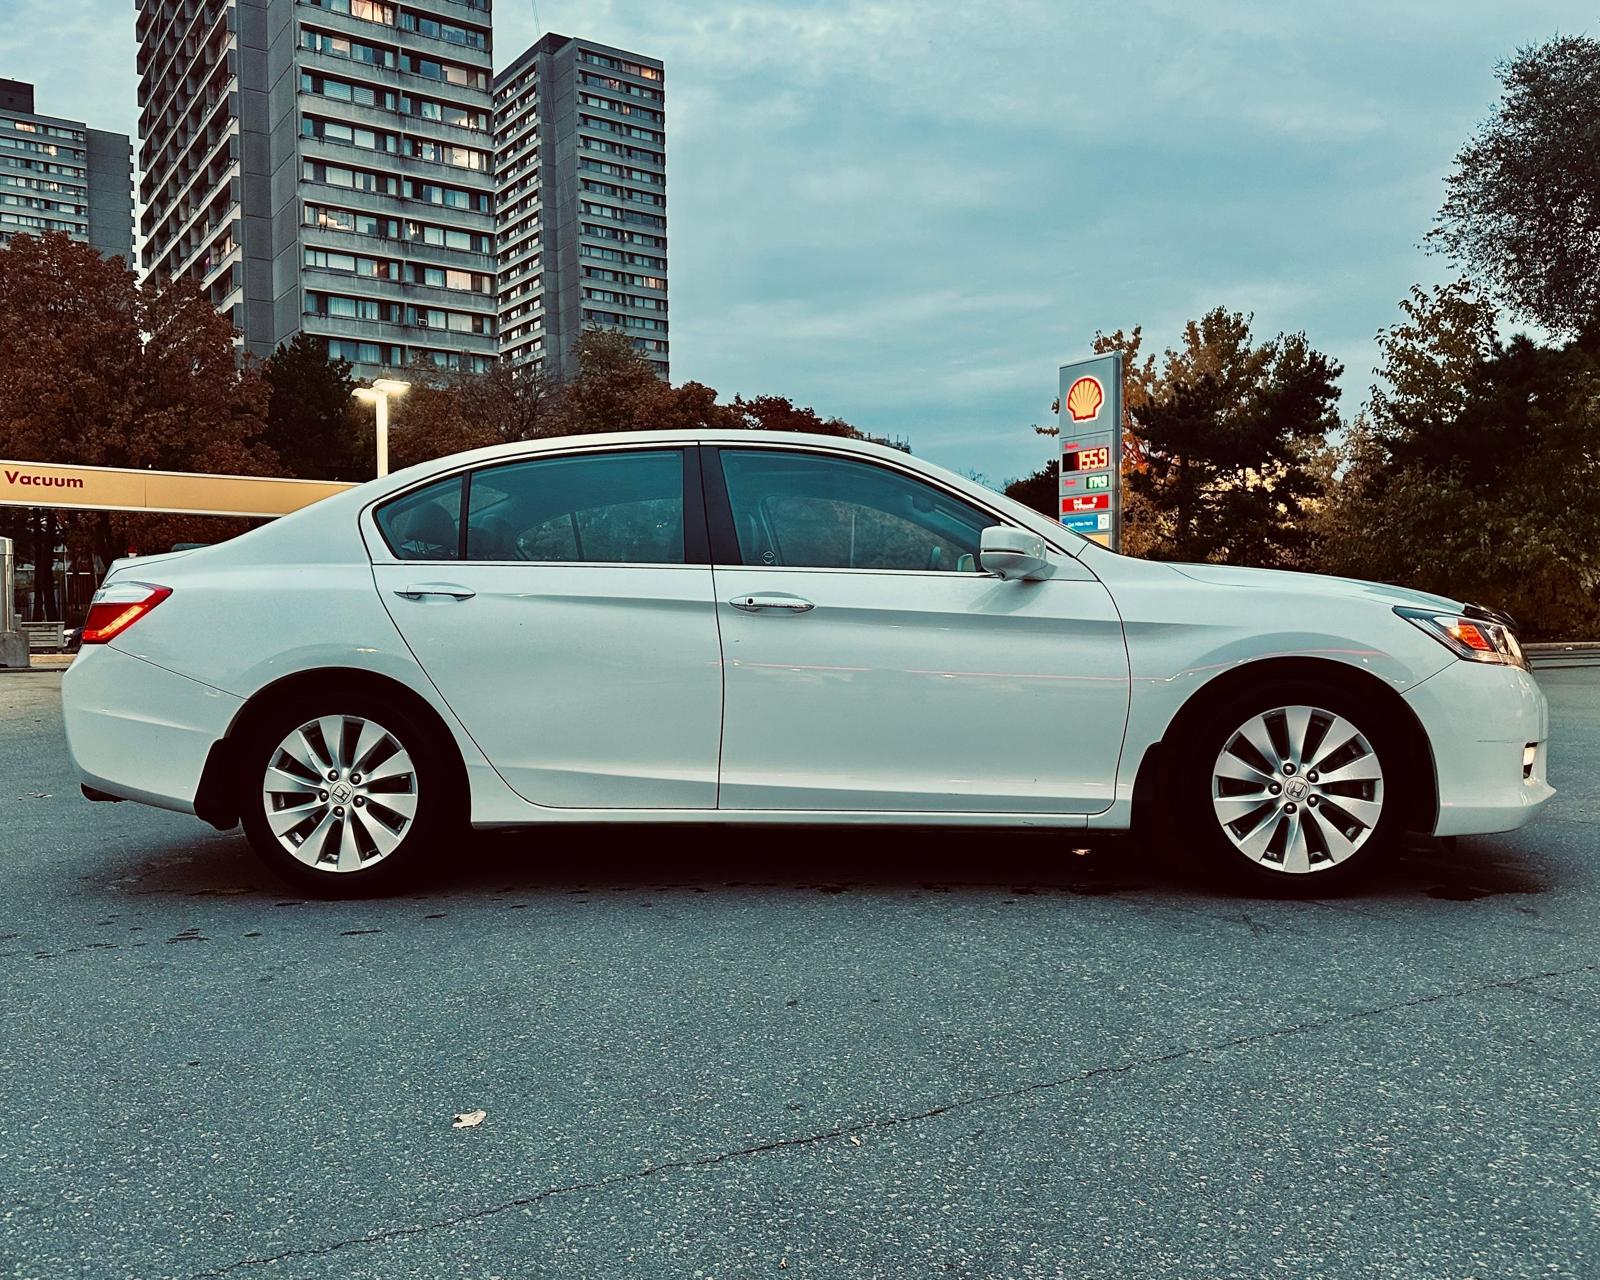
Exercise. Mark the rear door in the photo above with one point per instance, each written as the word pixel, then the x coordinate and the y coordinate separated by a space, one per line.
pixel 563 606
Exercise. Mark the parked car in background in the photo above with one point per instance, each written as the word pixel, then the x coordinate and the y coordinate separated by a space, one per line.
pixel 749 627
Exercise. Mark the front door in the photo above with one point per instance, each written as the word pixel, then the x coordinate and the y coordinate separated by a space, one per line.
pixel 569 621
pixel 870 664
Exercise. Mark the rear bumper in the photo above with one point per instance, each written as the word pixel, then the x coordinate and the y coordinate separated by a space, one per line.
pixel 138 731
pixel 1480 720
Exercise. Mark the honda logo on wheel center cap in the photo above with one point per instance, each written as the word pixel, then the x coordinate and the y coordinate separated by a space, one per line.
pixel 341 793
pixel 1297 788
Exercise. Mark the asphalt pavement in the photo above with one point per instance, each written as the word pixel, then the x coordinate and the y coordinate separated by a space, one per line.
pixel 744 1053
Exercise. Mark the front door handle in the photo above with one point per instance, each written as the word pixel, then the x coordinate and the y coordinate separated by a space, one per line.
pixel 424 589
pixel 779 600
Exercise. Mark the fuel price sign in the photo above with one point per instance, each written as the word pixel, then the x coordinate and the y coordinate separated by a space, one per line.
pixel 1095 459
pixel 1090 431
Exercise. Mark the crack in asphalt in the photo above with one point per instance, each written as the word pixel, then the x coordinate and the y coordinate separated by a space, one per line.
pixel 895 1121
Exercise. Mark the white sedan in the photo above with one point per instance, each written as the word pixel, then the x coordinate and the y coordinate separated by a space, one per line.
pixel 767 628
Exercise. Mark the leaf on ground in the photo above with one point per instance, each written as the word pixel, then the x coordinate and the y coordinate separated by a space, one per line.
pixel 469 1120
pixel 854 1141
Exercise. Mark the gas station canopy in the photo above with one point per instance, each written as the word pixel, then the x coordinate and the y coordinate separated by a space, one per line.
pixel 44 484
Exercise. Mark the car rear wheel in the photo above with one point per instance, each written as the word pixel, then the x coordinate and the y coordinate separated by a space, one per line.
pixel 1298 787
pixel 342 796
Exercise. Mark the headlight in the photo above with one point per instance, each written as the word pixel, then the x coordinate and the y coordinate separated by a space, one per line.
pixel 1477 639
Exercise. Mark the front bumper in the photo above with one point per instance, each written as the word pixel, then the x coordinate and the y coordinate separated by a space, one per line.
pixel 138 731
pixel 1480 719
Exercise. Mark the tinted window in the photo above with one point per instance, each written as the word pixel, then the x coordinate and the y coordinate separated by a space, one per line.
pixel 811 510
pixel 621 507
pixel 424 524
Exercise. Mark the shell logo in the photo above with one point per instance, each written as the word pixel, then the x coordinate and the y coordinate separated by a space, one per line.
pixel 1084 399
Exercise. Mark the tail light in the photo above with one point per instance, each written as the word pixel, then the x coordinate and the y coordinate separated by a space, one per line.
pixel 117 606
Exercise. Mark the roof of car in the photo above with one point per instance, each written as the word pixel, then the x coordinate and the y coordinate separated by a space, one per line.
pixel 613 438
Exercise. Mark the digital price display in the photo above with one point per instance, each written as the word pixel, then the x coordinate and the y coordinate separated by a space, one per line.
pixel 1097 459
pixel 1101 481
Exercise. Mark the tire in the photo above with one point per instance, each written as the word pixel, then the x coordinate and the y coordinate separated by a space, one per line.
pixel 1295 788
pixel 345 795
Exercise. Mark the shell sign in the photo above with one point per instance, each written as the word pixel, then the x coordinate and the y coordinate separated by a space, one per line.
pixel 1084 399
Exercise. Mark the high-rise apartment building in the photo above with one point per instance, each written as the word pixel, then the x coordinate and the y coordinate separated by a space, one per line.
pixel 61 175
pixel 580 213
pixel 326 167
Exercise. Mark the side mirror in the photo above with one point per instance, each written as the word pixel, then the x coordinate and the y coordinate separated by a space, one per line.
pixel 1012 553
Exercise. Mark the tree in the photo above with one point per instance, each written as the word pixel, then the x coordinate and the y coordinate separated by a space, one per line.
pixel 1473 472
pixel 100 369
pixel 693 407
pixel 310 423
pixel 510 403
pixel 616 388
pixel 449 411
pixel 1231 434
pixel 1522 205
pixel 779 413
pixel 1041 490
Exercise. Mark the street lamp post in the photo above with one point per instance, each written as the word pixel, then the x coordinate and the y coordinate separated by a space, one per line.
pixel 378 395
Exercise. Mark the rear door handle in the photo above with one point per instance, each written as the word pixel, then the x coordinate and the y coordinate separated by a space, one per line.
pixel 779 600
pixel 424 589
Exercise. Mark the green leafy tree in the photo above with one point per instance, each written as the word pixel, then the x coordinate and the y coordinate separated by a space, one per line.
pixel 311 424
pixel 1041 490
pixel 1231 435
pixel 1475 470
pixel 1522 205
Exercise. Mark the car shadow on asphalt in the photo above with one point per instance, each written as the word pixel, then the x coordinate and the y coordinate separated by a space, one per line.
pixel 834 860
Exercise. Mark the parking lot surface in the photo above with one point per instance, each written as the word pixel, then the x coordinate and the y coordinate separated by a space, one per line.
pixel 722 1053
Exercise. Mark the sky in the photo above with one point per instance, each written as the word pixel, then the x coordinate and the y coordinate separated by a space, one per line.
pixel 908 213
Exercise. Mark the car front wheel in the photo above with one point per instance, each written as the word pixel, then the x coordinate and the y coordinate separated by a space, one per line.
pixel 341 796
pixel 1297 786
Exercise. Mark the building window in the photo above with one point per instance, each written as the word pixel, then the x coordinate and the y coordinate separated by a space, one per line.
pixel 448 72
pixel 352 263
pixel 365 352
pixel 450 32
pixel 361 95
pixel 337 46
pixel 335 175
pixel 366 10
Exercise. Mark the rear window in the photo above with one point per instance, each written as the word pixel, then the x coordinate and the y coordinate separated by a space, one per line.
pixel 601 508
pixel 424 524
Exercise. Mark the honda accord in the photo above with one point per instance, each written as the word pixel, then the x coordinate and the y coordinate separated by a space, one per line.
pixel 750 627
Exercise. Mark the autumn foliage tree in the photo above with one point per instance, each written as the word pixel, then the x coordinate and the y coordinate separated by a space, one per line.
pixel 99 369
pixel 615 388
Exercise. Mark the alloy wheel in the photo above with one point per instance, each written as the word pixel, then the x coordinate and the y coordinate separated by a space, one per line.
pixel 340 793
pixel 1297 789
